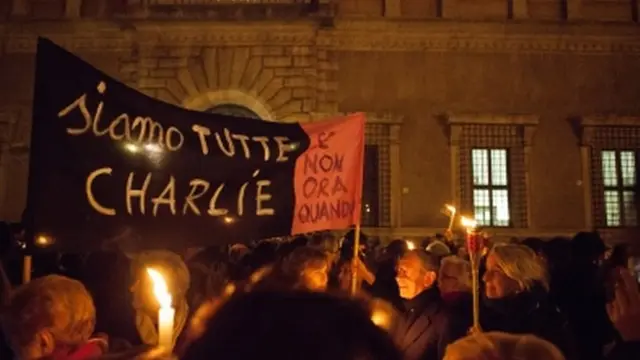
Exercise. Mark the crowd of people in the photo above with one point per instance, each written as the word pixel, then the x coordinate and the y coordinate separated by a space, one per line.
pixel 290 299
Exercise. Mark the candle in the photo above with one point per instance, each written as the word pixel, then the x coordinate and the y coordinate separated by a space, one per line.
pixel 411 245
pixel 166 314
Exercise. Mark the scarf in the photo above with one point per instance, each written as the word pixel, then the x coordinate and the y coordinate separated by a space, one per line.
pixel 148 329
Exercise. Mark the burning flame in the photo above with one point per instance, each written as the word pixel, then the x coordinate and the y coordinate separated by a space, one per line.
pixel 160 289
pixel 44 241
pixel 411 245
pixel 468 223
pixel 450 208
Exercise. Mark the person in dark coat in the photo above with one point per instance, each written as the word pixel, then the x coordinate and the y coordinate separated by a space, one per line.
pixel 516 301
pixel 424 328
pixel 385 285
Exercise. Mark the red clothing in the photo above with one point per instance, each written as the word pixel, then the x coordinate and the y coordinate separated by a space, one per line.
pixel 93 348
pixel 454 296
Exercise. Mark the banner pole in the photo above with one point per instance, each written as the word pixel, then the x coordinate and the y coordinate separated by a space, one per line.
pixel 355 261
pixel 26 269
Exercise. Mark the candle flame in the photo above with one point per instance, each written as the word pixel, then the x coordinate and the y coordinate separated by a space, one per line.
pixel 381 318
pixel 160 288
pixel 411 245
pixel 450 208
pixel 44 240
pixel 468 223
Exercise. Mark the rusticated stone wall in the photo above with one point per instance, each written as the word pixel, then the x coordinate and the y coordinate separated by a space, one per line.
pixel 415 72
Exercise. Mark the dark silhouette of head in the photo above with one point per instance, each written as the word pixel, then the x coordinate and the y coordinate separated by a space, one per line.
pixel 287 325
pixel 587 247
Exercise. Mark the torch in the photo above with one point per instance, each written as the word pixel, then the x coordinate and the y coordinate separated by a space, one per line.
pixel 451 210
pixel 475 245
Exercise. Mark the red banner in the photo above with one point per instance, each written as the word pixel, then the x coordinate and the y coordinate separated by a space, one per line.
pixel 328 176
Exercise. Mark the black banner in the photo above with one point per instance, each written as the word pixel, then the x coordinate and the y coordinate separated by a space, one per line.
pixel 111 164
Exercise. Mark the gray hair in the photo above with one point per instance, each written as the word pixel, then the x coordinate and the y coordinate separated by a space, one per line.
pixel 439 248
pixel 462 269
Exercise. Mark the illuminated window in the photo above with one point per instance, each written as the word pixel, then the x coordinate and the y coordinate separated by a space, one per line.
pixel 618 182
pixel 490 186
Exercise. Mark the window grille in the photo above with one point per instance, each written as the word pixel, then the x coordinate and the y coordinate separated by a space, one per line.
pixel 614 152
pixel 497 194
pixel 376 195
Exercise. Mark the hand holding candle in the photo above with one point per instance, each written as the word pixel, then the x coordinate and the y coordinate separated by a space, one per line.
pixel 166 314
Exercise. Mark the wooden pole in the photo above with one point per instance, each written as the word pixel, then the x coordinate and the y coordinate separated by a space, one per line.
pixel 355 265
pixel 476 294
pixel 26 269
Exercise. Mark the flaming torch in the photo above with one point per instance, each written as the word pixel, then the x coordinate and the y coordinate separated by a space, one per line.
pixel 475 245
pixel 166 314
pixel 451 210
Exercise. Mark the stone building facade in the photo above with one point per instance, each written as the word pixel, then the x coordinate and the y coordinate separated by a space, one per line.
pixel 545 90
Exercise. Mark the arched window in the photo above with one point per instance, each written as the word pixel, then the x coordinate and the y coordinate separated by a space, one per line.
pixel 233 110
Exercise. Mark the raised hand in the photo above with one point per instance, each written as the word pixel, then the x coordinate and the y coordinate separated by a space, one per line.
pixel 624 310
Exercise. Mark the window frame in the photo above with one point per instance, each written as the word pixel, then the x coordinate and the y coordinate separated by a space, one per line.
pixel 491 187
pixel 619 188
pixel 376 218
pixel 520 139
pixel 603 132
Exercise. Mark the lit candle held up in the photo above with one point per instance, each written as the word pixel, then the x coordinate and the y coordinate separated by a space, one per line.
pixel 411 245
pixel 166 314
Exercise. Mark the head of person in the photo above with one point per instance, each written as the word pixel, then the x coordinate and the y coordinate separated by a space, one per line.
pixel 47 314
pixel 439 248
pixel 286 324
pixel 172 268
pixel 502 346
pixel 416 271
pixel 587 248
pixel 454 275
pixel 512 269
pixel 309 266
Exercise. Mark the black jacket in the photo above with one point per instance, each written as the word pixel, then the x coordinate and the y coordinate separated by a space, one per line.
pixel 424 328
pixel 625 351
pixel 528 313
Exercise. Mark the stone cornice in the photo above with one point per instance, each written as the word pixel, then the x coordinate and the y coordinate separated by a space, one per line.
pixel 527 122
pixel 485 119
pixel 609 120
pixel 363 35
pixel 372 118
pixel 589 125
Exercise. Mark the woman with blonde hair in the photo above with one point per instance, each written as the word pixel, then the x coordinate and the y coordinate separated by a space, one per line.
pixel 502 346
pixel 516 297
